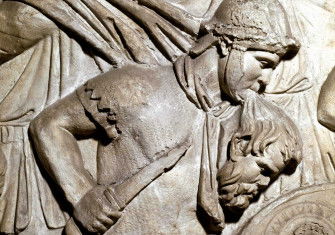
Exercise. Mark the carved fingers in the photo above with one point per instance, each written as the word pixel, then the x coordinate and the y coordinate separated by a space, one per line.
pixel 95 213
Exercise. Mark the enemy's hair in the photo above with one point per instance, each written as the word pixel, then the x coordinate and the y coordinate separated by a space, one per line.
pixel 262 124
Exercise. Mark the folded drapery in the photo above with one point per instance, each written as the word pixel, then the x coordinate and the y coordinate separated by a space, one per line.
pixel 31 82
pixel 143 31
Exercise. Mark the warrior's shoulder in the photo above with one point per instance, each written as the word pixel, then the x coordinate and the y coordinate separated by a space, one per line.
pixel 133 76
pixel 141 71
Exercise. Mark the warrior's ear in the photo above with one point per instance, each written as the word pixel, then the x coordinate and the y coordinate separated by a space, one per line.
pixel 203 44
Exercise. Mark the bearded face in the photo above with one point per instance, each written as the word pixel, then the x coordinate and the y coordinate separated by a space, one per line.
pixel 246 175
pixel 240 182
pixel 266 143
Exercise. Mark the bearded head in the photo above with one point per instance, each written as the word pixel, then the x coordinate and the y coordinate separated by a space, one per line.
pixel 266 144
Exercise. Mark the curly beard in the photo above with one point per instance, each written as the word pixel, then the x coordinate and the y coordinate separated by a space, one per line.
pixel 237 187
pixel 266 143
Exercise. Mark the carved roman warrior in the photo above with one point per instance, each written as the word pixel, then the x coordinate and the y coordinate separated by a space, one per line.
pixel 164 131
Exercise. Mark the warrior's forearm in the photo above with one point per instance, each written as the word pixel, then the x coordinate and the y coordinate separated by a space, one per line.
pixel 59 153
pixel 52 134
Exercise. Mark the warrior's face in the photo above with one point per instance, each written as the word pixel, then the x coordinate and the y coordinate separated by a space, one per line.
pixel 243 71
pixel 257 68
pixel 254 35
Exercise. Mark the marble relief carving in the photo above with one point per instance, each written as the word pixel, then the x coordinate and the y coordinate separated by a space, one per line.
pixel 167 117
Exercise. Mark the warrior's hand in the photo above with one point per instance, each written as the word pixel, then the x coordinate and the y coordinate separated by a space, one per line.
pixel 94 212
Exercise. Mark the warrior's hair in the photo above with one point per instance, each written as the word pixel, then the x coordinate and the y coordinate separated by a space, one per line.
pixel 255 24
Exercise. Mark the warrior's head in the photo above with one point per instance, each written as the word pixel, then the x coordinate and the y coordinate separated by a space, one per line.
pixel 254 36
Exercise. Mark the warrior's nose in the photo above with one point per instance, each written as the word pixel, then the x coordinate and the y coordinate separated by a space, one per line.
pixel 265 77
pixel 264 80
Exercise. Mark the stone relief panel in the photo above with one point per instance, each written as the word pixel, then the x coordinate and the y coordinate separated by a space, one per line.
pixel 167 117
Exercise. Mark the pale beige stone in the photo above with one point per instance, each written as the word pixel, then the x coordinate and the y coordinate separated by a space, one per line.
pixel 167 116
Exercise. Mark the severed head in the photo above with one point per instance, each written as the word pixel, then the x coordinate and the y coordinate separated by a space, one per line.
pixel 266 144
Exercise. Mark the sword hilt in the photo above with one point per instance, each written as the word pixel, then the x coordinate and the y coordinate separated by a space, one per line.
pixel 113 199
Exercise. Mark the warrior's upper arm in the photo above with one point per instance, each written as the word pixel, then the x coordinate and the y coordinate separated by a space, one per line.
pixel 67 113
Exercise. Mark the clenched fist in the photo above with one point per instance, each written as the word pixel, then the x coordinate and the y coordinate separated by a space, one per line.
pixel 94 212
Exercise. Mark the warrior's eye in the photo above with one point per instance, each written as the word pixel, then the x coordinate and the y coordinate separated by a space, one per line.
pixel 266 60
pixel 267 64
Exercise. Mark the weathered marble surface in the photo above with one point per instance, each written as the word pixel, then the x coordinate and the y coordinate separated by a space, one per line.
pixel 167 117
